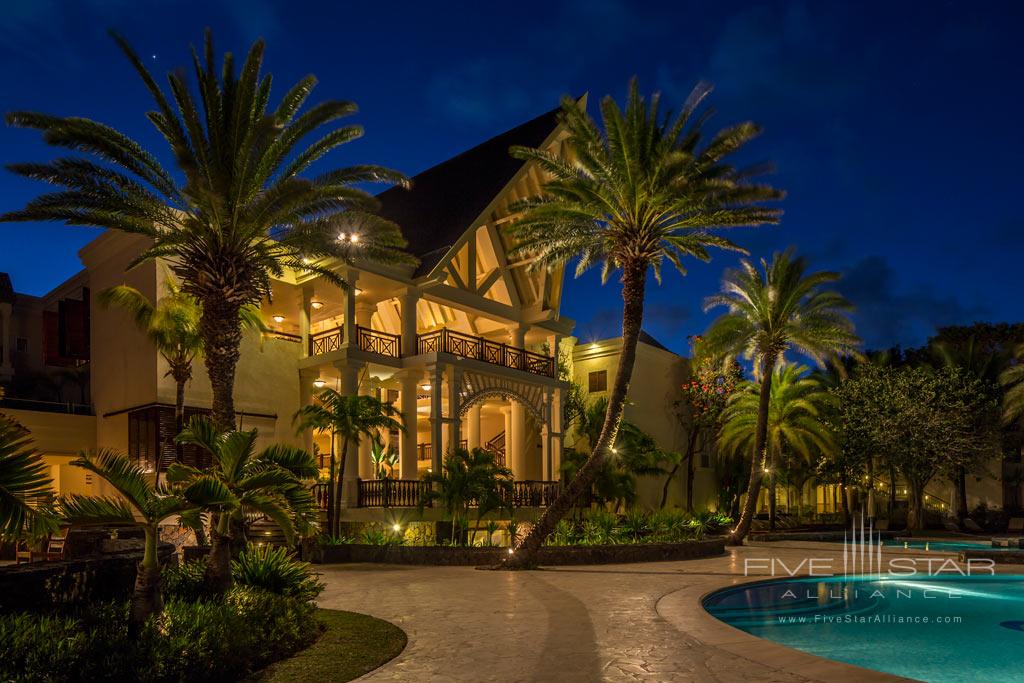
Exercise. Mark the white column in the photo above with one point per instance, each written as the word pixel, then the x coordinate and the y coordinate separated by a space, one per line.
pixel 365 445
pixel 545 441
pixel 348 296
pixel 506 411
pixel 407 445
pixel 516 446
pixel 350 475
pixel 407 302
pixel 556 434
pixel 305 318
pixel 517 336
pixel 306 392
pixel 454 379
pixel 436 417
pixel 364 315
pixel 473 427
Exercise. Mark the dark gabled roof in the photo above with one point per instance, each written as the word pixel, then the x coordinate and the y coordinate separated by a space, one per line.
pixel 444 200
pixel 651 341
pixel 6 289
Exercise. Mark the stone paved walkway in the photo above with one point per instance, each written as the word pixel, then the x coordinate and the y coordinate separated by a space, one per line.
pixel 609 623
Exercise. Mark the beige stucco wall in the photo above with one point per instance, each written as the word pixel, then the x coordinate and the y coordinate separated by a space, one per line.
pixel 653 393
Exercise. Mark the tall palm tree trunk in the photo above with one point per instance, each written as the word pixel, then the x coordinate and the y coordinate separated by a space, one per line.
pixel 218 567
pixel 222 337
pixel 633 281
pixel 340 490
pixel 146 599
pixel 758 460
pixel 332 481
pixel 688 458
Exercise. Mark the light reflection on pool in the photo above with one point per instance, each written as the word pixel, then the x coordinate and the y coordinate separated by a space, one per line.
pixel 946 629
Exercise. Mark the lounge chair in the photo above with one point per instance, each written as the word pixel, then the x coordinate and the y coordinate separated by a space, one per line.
pixel 55 546
pixel 24 552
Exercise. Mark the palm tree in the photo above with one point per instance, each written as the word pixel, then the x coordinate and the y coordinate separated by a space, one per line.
pixel 272 482
pixel 633 192
pixel 141 505
pixel 1013 379
pixel 794 427
pixel 771 310
pixel 352 418
pixel 172 326
pixel 383 458
pixel 244 214
pixel 469 478
pixel 23 482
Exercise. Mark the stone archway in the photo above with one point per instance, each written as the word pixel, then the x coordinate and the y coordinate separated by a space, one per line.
pixel 475 388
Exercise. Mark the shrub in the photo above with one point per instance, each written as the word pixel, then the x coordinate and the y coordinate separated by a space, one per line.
pixel 190 641
pixel 275 570
pixel 635 525
pixel 599 528
pixel 185 581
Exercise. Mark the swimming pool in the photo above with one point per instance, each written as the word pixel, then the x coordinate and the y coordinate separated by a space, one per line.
pixel 942 546
pixel 943 630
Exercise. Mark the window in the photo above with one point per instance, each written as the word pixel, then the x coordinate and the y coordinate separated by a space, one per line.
pixel 598 381
pixel 21 345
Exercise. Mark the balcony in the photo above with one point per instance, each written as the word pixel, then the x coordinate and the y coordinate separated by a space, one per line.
pixel 478 348
pixel 440 341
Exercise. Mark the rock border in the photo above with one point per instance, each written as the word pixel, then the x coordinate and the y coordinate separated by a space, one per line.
pixel 446 556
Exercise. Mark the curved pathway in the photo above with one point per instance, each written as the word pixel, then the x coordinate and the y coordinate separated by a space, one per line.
pixel 611 623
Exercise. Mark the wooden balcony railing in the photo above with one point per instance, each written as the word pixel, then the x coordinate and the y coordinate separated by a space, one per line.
pixel 424 452
pixel 537 494
pixel 320 493
pixel 373 341
pixel 496 353
pixel 391 493
pixel 326 342
pixel 396 493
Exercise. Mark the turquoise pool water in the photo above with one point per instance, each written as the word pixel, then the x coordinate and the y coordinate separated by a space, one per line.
pixel 941 546
pixel 941 630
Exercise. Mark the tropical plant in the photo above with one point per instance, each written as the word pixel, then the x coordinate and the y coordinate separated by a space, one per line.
pixel 275 569
pixel 141 505
pixel 24 483
pixel 704 399
pixel 384 458
pixel 469 478
pixel 350 419
pixel 795 427
pixel 769 311
pixel 272 482
pixel 635 191
pixel 1012 379
pixel 245 212
pixel 172 327
pixel 612 485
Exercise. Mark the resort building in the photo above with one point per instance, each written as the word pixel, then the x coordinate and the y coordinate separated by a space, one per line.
pixel 469 345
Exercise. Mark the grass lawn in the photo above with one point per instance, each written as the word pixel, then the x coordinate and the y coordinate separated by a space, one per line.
pixel 351 645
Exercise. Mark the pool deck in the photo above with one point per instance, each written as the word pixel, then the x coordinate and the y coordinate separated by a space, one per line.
pixel 603 623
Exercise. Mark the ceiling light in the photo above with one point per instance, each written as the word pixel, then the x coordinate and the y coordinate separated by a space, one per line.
pixel 317 305
pixel 425 387
pixel 278 318
pixel 319 383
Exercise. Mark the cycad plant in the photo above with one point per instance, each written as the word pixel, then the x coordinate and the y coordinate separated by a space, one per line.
pixel 778 307
pixel 24 483
pixel 248 208
pixel 349 419
pixel 383 458
pixel 172 327
pixel 273 482
pixel 142 505
pixel 795 427
pixel 638 189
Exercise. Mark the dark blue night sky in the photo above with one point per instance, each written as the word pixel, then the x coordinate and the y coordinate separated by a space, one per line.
pixel 896 127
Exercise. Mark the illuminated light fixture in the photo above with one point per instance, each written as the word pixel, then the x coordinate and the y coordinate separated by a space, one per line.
pixel 278 318
pixel 306 260
pixel 397 527
pixel 615 450
pixel 767 470
pixel 511 551
pixel 316 305
pixel 353 238
pixel 425 387
pixel 319 383
pixel 358 291
pixel 342 236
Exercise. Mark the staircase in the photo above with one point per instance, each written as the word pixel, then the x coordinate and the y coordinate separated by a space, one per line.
pixel 497 447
